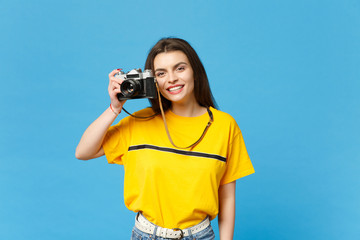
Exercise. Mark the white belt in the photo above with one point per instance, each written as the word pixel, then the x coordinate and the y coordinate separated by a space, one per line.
pixel 146 226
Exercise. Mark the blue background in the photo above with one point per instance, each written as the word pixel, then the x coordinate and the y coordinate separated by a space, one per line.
pixel 288 71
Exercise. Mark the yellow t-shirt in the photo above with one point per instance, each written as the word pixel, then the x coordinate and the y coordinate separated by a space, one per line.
pixel 177 188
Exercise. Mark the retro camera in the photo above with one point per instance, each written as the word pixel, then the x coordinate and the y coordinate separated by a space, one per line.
pixel 137 84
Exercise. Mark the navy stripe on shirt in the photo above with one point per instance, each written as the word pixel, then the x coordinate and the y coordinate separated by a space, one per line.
pixel 177 151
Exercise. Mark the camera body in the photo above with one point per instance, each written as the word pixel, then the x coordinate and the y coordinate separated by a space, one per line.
pixel 137 84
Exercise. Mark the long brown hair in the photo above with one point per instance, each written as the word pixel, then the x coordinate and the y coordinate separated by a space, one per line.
pixel 202 90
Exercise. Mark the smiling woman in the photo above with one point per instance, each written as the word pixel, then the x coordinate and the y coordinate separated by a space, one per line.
pixel 176 192
pixel 176 82
pixel 179 48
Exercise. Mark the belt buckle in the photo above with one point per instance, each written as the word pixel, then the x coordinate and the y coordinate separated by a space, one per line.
pixel 181 234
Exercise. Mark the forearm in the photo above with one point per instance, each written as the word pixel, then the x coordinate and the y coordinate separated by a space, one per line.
pixel 226 216
pixel 90 144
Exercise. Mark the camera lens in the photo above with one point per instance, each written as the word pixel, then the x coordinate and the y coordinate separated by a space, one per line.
pixel 130 88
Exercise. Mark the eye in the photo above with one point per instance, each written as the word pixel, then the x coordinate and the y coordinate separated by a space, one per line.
pixel 160 74
pixel 180 68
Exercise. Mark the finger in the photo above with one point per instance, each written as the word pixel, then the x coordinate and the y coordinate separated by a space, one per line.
pixel 116 81
pixel 113 72
pixel 115 87
pixel 113 96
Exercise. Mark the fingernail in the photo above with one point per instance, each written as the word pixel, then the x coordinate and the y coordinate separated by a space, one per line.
pixel 119 69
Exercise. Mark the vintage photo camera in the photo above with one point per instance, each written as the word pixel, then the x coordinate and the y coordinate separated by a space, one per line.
pixel 137 84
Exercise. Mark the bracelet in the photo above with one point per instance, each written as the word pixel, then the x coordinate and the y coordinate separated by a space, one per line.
pixel 113 110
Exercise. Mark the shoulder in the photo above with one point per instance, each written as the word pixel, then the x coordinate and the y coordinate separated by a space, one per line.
pixel 128 120
pixel 144 112
pixel 225 123
pixel 222 116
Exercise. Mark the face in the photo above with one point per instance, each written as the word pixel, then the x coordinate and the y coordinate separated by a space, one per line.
pixel 175 77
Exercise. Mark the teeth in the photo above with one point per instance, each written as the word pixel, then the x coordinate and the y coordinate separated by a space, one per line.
pixel 175 88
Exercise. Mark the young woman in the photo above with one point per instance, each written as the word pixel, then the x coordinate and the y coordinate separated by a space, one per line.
pixel 176 186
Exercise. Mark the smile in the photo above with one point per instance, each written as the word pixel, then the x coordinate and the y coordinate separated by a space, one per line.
pixel 175 89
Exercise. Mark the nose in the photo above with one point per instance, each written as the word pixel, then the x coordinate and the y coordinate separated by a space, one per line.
pixel 172 77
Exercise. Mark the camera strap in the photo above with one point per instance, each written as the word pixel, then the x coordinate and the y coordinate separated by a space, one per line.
pixel 148 117
pixel 167 130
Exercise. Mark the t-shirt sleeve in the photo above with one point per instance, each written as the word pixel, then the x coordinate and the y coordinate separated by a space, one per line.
pixel 238 161
pixel 116 142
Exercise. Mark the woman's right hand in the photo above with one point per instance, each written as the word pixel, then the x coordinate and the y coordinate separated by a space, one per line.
pixel 114 89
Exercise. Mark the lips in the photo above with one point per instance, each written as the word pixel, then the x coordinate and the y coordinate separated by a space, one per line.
pixel 175 89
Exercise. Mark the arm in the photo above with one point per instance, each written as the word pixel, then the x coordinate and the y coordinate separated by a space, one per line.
pixel 226 216
pixel 90 145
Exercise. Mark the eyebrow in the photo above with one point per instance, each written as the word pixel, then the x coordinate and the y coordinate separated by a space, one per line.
pixel 176 65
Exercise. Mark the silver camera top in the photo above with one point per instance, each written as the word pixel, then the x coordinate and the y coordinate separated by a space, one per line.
pixel 134 74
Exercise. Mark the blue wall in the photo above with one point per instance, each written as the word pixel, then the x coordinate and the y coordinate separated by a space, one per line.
pixel 288 71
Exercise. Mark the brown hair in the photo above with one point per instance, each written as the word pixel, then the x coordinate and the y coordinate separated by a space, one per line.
pixel 202 90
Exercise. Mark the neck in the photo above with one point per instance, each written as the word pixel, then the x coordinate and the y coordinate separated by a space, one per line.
pixel 188 110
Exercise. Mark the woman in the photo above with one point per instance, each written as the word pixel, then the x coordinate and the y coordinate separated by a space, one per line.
pixel 176 191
